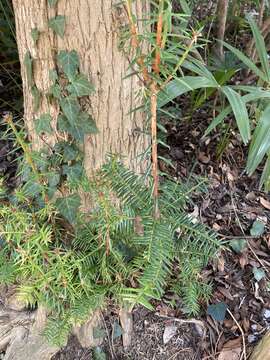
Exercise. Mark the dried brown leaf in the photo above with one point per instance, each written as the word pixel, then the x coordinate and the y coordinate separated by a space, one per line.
pixel 231 350
pixel 265 203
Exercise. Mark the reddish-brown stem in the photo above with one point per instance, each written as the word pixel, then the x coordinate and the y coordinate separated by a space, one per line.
pixel 156 65
pixel 108 243
pixel 154 148
pixel 153 100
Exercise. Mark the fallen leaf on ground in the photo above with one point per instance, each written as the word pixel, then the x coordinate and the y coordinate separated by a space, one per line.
pixel 169 333
pixel 238 245
pixel 217 311
pixel 257 228
pixel 231 350
pixel 265 203
pixel 258 273
pixel 203 158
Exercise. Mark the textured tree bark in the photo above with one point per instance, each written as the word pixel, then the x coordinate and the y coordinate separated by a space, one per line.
pixel 91 30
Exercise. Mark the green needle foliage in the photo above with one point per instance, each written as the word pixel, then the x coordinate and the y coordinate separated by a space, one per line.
pixel 117 250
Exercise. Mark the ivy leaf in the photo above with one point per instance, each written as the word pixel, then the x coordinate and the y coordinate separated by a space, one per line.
pixel 80 86
pixel 257 228
pixel 32 188
pixel 36 97
pixel 40 158
pixel 259 274
pixel 99 333
pixel 35 35
pixel 52 2
pixel 28 62
pixel 53 76
pixel 55 91
pixel 82 125
pixel 69 62
pixel 117 330
pixel 64 125
pixel 58 25
pixel 51 191
pixel 53 178
pixel 86 123
pixel 70 152
pixel 71 108
pixel 74 172
pixel 99 354
pixel 68 206
pixel 43 124
pixel 238 245
pixel 217 311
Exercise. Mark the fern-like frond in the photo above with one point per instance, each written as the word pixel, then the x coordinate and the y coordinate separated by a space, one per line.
pixel 57 331
pixel 127 186
pixel 174 195
pixel 158 242
pixel 85 305
pixel 8 270
pixel 195 238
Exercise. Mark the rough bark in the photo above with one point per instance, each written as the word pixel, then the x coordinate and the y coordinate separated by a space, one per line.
pixel 91 30
pixel 20 335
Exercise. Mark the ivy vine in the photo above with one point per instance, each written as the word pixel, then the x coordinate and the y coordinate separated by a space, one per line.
pixel 61 166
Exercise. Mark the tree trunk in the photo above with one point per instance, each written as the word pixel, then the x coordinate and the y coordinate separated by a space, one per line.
pixel 92 30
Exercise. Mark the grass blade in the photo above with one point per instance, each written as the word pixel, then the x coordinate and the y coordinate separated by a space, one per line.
pixel 181 86
pixel 260 143
pixel 240 112
pixel 260 46
pixel 242 57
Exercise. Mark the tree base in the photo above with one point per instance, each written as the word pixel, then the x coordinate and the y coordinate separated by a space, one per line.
pixel 21 333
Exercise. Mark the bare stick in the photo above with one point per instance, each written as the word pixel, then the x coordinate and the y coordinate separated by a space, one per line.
pixel 242 334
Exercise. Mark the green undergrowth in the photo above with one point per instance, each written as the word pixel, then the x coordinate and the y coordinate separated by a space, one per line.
pixel 72 262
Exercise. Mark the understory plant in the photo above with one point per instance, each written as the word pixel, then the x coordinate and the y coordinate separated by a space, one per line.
pixel 137 240
pixel 248 104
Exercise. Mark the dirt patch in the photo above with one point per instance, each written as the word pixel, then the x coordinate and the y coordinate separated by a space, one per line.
pixel 183 341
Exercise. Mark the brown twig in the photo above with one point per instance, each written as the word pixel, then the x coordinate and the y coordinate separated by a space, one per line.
pixel 153 99
pixel 156 65
pixel 244 354
pixel 132 25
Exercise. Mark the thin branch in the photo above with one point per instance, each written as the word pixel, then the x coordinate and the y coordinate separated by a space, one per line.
pixel 156 65
pixel 242 334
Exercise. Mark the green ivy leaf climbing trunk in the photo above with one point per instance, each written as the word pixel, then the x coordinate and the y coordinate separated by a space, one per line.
pixel 89 28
